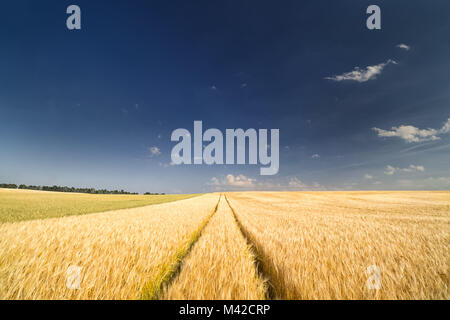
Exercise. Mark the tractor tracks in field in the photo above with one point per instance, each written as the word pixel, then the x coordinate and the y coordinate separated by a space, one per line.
pixel 258 261
pixel 152 290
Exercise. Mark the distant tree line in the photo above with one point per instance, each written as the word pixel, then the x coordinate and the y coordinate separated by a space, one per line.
pixel 154 194
pixel 64 189
pixel 8 185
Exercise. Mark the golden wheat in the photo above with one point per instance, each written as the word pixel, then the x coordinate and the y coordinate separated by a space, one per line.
pixel 220 266
pixel 119 252
pixel 20 205
pixel 322 245
pixel 310 245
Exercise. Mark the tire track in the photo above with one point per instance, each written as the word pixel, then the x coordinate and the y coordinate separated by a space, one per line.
pixel 220 265
pixel 153 289
pixel 259 263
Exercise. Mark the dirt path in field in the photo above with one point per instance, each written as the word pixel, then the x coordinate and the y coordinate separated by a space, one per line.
pixel 221 264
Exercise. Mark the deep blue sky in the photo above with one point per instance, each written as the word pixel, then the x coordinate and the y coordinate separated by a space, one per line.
pixel 83 108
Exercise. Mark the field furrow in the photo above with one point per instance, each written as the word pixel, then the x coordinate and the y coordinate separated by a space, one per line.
pixel 350 245
pixel 110 255
pixel 221 264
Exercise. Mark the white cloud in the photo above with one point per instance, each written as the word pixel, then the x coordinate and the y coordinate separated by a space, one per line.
pixel 154 151
pixel 362 75
pixel 368 176
pixel 241 182
pixel 403 46
pixel 409 133
pixel 413 134
pixel 288 184
pixel 390 170
pixel 296 183
pixel 414 168
pixel 233 181
pixel 213 87
pixel 315 156
pixel 446 127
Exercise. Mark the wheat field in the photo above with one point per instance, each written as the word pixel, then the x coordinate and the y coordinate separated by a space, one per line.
pixel 222 262
pixel 323 245
pixel 20 205
pixel 243 245
pixel 121 252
